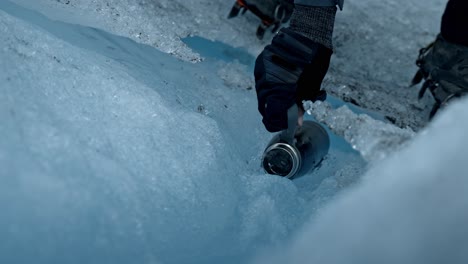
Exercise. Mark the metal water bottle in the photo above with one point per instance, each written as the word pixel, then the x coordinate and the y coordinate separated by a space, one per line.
pixel 295 151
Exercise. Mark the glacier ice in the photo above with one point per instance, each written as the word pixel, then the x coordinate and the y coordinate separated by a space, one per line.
pixel 114 152
pixel 374 139
pixel 408 208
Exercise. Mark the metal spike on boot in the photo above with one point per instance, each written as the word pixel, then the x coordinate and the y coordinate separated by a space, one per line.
pixel 444 67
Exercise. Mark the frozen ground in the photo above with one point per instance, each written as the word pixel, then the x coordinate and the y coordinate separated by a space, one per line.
pixel 113 151
pixel 376 41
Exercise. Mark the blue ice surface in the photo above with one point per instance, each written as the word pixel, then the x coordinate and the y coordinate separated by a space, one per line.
pixel 219 51
pixel 258 206
pixel 216 50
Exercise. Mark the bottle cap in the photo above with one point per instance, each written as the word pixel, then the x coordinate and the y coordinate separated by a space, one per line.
pixel 281 159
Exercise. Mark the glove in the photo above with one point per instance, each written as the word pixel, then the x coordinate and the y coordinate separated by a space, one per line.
pixel 271 12
pixel 291 69
pixel 288 71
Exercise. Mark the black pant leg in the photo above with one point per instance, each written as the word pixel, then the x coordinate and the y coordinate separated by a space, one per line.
pixel 454 26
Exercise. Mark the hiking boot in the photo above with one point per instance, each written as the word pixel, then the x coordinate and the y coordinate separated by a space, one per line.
pixel 444 67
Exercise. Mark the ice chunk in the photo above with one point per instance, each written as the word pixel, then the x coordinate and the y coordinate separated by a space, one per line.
pixel 112 151
pixel 409 208
pixel 89 161
pixel 374 139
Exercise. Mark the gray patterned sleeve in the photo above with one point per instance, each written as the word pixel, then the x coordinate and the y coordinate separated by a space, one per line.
pixel 338 3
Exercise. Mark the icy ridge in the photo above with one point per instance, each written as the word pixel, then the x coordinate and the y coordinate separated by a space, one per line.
pixel 160 23
pixel 374 139
pixel 409 208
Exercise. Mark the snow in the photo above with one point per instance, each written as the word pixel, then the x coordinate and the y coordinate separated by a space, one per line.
pixel 376 42
pixel 410 208
pixel 121 144
pixel 90 152
pixel 374 139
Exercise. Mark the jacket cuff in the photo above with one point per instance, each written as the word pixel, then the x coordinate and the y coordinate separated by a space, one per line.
pixel 338 3
pixel 315 23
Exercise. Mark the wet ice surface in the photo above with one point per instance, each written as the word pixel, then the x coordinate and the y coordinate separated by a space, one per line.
pixel 161 24
pixel 113 152
pixel 408 208
pixel 376 42
pixel 374 139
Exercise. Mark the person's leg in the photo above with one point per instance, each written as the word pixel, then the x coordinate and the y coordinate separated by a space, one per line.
pixel 443 65
pixel 454 26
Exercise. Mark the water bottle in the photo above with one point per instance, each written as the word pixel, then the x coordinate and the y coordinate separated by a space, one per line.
pixel 296 150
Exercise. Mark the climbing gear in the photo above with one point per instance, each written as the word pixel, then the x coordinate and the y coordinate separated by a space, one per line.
pixel 444 67
pixel 273 13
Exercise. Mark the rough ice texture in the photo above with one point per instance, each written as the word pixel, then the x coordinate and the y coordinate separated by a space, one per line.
pixel 409 208
pixel 376 42
pixel 111 152
pixel 237 76
pixel 114 152
pixel 374 139
pixel 87 149
pixel 159 23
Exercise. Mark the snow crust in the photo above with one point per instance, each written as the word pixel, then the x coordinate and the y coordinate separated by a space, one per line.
pixel 408 208
pixel 376 42
pixel 374 139
pixel 89 150
pixel 114 152
pixel 161 24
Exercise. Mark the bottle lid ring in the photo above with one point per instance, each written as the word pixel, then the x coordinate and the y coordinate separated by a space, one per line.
pixel 281 159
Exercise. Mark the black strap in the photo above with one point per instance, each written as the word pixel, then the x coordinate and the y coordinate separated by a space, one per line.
pixel 287 135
